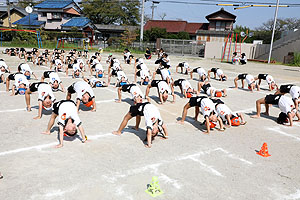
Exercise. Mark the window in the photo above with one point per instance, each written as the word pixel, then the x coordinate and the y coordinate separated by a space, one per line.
pixel 56 15
pixel 44 14
pixel 220 26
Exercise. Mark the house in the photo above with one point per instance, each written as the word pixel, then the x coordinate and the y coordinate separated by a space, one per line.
pixel 219 26
pixel 173 26
pixel 51 14
pixel 82 24
pixel 16 13
pixel 108 31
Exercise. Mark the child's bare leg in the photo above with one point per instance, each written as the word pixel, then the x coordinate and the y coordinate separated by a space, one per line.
pixel 119 95
pixel 242 118
pixel 258 107
pixel 235 83
pixel 224 92
pixel 123 124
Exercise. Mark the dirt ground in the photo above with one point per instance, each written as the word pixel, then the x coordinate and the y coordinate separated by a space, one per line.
pixel 189 165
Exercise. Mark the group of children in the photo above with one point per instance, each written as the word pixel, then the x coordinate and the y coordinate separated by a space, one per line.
pixel 211 106
pixel 66 111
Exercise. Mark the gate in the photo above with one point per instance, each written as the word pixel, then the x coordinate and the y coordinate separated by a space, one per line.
pixel 182 47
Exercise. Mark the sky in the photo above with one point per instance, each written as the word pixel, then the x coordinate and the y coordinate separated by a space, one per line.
pixel 250 17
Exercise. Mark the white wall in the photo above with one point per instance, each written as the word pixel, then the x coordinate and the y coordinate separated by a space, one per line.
pixel 215 49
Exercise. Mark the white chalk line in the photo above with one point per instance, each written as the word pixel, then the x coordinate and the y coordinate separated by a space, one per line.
pixel 23 109
pixel 52 144
pixel 54 193
pixel 245 110
pixel 233 156
pixel 154 168
pixel 277 130
pixel 13 110
pixel 293 196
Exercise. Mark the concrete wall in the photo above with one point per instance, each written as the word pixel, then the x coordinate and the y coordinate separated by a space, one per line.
pixel 212 38
pixel 215 49
pixel 262 51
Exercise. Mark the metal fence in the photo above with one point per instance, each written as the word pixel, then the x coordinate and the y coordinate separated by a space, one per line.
pixel 183 47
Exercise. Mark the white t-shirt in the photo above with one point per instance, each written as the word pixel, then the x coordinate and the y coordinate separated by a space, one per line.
pixel 81 87
pixel 167 60
pixel 270 79
pixel 93 81
pixel 223 110
pixel 245 58
pixel 163 86
pixel 201 71
pixel 151 114
pixel 116 66
pixel 165 74
pixel 219 72
pixel 211 89
pixel 99 68
pixel 20 79
pixel 45 90
pixel 250 79
pixel 136 91
pixel 286 104
pixel 116 61
pixel 3 64
pixel 53 76
pixel 25 68
pixel 140 61
pixel 76 67
pixel 295 92
pixel 144 74
pixel 186 85
pixel 143 66
pixel 186 65
pixel 95 61
pixel 121 74
pixel 207 106
pixel 79 60
pixel 58 62
pixel 68 110
pixel 127 54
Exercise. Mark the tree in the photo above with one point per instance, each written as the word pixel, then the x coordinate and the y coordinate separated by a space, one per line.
pixel 127 37
pixel 26 3
pixel 183 35
pixel 154 33
pixel 112 11
pixel 163 15
pixel 238 29
pixel 264 32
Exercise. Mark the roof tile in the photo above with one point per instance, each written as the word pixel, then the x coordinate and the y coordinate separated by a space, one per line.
pixel 33 20
pixel 54 4
pixel 76 22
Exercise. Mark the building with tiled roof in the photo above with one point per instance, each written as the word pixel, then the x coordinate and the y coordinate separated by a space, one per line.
pixel 219 25
pixel 16 13
pixel 51 14
pixel 173 26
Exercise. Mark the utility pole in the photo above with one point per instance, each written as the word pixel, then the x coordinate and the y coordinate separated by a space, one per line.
pixel 153 7
pixel 142 23
pixel 8 13
pixel 274 27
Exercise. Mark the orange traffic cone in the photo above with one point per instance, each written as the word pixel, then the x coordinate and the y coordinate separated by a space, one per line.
pixel 264 151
